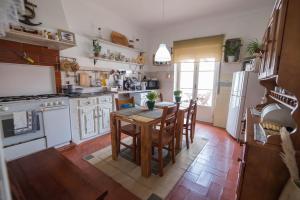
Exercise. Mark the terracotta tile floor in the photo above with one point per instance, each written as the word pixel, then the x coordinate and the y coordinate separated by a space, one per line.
pixel 212 175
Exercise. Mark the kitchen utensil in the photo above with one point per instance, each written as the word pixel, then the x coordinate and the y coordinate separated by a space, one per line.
pixel 84 79
pixel 65 65
pixel 119 38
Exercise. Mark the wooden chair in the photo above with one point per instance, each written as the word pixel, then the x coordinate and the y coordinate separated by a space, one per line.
pixel 165 136
pixel 161 97
pixel 189 122
pixel 128 129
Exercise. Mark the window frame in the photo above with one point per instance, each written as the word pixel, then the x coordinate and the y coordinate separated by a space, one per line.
pixel 177 68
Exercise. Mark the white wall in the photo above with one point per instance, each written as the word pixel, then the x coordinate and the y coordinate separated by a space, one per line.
pixel 84 18
pixel 246 25
pixel 19 79
pixel 51 14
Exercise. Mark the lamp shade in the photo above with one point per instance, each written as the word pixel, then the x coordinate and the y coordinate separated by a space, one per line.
pixel 162 54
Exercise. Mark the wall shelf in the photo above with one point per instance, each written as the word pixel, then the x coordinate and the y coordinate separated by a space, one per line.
pixel 114 61
pixel 118 45
pixel 292 107
pixel 28 38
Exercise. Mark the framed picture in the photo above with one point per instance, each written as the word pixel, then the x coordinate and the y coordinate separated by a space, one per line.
pixel 66 36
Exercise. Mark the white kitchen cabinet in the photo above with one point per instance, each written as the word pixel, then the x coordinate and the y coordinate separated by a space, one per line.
pixel 104 117
pixel 88 117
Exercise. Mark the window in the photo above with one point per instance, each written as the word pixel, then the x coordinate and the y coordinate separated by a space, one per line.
pixel 197 80
pixel 196 63
pixel 206 74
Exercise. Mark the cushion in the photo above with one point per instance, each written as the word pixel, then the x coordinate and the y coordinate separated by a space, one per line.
pixel 127 105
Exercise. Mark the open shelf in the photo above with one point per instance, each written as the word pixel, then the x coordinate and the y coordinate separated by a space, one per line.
pixel 291 106
pixel 114 61
pixel 28 38
pixel 283 95
pixel 118 45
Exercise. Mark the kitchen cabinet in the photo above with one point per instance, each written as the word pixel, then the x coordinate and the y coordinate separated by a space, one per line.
pixel 88 121
pixel 272 40
pixel 263 174
pixel 90 117
pixel 104 118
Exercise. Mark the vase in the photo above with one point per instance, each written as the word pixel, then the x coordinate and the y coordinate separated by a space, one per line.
pixel 177 99
pixel 291 190
pixel 150 105
pixel 96 54
pixel 231 58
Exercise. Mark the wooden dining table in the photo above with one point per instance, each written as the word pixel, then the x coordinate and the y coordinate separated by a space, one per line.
pixel 145 119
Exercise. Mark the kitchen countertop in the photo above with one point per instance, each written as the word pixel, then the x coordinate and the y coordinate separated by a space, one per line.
pixel 133 91
pixel 86 95
pixel 94 94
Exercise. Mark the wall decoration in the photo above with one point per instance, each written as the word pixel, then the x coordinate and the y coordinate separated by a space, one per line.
pixel 232 50
pixel 29 14
pixel 66 36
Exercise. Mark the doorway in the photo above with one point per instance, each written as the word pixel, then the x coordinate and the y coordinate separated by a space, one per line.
pixel 198 80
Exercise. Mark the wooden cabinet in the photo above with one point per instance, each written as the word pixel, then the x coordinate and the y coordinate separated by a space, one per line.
pixel 272 40
pixel 263 174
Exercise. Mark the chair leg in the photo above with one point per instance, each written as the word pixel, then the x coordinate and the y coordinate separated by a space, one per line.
pixel 138 150
pixel 192 133
pixel 152 150
pixel 134 148
pixel 118 137
pixel 187 138
pixel 161 162
pixel 173 150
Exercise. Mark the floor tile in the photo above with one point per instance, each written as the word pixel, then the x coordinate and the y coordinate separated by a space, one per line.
pixel 211 176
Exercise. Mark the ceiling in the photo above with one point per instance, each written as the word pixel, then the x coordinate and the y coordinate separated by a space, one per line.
pixel 148 13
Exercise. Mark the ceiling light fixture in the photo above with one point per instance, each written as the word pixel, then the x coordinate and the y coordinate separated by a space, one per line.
pixel 162 54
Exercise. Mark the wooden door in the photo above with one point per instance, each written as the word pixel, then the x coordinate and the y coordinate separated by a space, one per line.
pixel 271 44
pixel 278 20
pixel 272 40
pixel 263 66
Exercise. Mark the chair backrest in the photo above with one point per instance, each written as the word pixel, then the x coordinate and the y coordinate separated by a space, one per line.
pixel 161 97
pixel 192 111
pixel 168 121
pixel 121 102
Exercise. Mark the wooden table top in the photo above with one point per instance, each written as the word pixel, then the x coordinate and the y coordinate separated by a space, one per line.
pixel 141 115
pixel 49 175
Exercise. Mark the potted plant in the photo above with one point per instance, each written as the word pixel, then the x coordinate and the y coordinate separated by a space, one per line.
pixel 254 48
pixel 177 94
pixel 151 96
pixel 231 50
pixel 96 48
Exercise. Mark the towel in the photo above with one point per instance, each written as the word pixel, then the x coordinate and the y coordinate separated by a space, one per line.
pixel 20 120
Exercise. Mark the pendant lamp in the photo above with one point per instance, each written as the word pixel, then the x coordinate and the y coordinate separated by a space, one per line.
pixel 162 54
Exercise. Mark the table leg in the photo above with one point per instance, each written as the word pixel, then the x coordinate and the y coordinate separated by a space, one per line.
pixel 146 148
pixel 180 121
pixel 114 137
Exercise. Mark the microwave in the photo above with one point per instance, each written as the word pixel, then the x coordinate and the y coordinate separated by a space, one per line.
pixel 152 85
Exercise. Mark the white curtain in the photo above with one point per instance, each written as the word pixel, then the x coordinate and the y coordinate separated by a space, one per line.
pixel 9 13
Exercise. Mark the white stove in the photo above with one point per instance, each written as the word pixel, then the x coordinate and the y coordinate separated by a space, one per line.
pixel 27 119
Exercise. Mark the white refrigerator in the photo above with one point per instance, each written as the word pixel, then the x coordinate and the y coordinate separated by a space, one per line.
pixel 245 92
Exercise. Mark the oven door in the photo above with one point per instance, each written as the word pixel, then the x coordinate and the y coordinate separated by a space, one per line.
pixel 11 136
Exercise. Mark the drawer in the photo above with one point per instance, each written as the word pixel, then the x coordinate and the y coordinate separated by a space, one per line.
pixel 105 99
pixel 87 101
